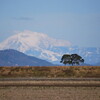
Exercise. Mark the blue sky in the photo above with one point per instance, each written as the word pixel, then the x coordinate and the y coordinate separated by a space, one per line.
pixel 77 21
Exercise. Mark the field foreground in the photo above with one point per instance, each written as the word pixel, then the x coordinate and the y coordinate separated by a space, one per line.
pixel 49 90
pixel 51 72
pixel 49 93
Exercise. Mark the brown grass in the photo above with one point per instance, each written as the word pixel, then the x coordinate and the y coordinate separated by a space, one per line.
pixel 56 71
pixel 50 83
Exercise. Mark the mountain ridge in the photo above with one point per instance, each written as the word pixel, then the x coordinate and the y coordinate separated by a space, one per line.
pixel 37 43
pixel 44 47
pixel 10 57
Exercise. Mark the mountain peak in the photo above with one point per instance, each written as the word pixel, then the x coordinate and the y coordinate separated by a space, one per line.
pixel 32 39
pixel 44 47
pixel 39 44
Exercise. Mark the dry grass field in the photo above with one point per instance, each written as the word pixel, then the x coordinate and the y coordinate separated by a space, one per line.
pixel 50 83
pixel 40 92
pixel 49 93
pixel 54 71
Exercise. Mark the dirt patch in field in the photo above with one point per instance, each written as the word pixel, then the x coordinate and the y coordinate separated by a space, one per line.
pixel 49 93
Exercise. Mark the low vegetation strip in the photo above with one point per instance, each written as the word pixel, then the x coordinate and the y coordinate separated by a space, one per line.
pixel 51 72
pixel 49 79
pixel 50 83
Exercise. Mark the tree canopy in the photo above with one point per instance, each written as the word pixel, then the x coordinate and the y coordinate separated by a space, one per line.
pixel 73 59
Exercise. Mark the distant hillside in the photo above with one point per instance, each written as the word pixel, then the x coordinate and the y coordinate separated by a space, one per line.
pixel 44 47
pixel 12 57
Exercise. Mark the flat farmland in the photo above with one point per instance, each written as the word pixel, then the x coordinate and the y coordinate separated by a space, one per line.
pixel 50 83
pixel 49 93
pixel 47 82
pixel 50 89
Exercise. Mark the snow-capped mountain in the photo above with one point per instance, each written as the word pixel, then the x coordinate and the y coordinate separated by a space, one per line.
pixel 36 44
pixel 42 46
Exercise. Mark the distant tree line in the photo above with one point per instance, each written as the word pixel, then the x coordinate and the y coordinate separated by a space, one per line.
pixel 73 59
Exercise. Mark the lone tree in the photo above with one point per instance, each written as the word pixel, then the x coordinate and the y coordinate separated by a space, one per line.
pixel 73 59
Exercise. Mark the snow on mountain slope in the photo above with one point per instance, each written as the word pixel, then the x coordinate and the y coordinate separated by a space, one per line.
pixel 42 46
pixel 34 43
